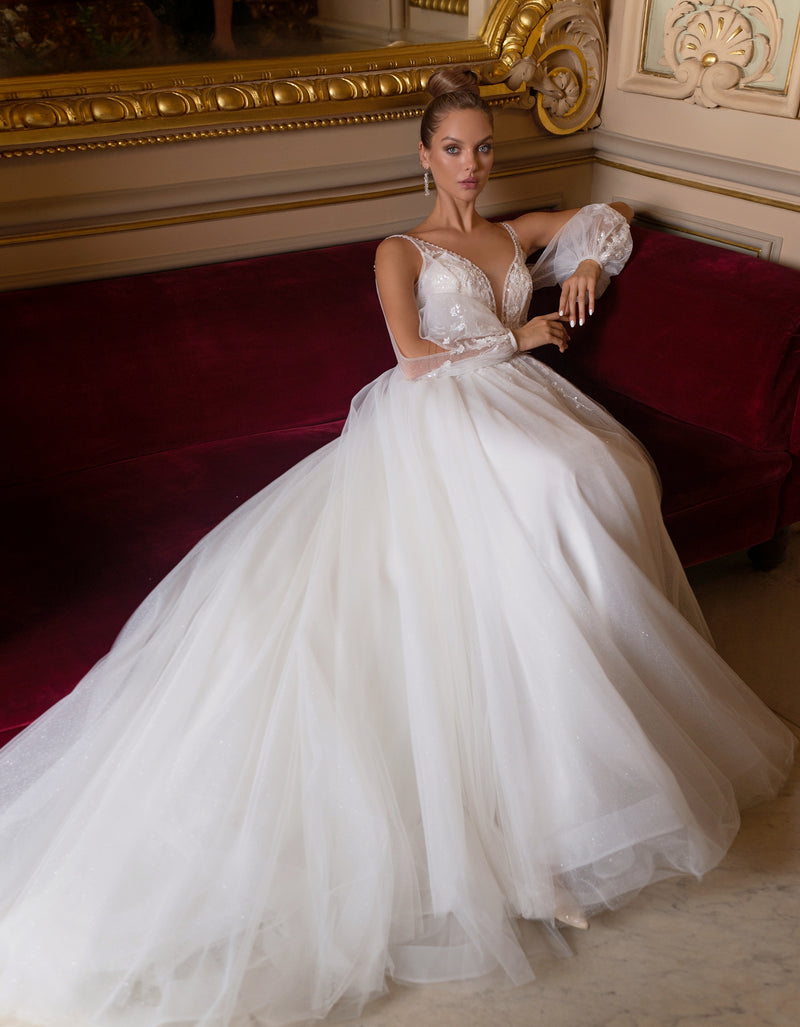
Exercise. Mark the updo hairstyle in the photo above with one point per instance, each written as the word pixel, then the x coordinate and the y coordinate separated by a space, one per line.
pixel 452 89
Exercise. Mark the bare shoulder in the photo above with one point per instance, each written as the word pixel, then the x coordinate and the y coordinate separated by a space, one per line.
pixel 536 229
pixel 397 255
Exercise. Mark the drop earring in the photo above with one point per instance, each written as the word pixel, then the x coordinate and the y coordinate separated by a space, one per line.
pixel 426 178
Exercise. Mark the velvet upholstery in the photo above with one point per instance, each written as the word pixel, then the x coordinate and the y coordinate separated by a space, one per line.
pixel 115 369
pixel 139 411
pixel 663 335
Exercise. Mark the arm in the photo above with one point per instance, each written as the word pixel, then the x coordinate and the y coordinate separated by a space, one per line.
pixel 538 229
pixel 453 333
pixel 582 248
pixel 397 267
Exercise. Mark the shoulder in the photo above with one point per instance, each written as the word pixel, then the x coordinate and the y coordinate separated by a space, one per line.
pixel 396 245
pixel 397 255
pixel 537 229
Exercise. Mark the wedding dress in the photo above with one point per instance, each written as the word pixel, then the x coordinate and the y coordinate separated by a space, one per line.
pixel 444 666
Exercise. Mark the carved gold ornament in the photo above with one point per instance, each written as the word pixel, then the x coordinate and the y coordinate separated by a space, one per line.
pixel 558 48
pixel 460 7
pixel 563 67
pixel 715 49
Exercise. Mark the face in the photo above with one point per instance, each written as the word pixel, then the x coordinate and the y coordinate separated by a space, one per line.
pixel 461 154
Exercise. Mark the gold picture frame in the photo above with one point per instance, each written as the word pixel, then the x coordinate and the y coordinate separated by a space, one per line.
pixel 558 45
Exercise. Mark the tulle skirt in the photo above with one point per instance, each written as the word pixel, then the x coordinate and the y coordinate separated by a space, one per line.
pixel 444 666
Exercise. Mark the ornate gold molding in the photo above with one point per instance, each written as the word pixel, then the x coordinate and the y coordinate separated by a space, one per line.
pixel 442 6
pixel 64 113
pixel 563 66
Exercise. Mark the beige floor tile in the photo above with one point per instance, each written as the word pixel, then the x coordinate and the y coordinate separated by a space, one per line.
pixel 721 952
pixel 755 619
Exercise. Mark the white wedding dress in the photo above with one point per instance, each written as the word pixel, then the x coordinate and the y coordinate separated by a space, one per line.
pixel 444 665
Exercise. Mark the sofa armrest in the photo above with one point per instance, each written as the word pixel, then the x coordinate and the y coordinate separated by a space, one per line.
pixel 702 334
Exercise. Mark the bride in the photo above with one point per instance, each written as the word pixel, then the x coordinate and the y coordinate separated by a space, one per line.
pixel 445 674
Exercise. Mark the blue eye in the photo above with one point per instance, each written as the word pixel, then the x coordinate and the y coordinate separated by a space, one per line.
pixel 485 147
pixel 451 149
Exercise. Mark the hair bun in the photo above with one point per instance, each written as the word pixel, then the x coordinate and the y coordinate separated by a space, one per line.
pixel 453 80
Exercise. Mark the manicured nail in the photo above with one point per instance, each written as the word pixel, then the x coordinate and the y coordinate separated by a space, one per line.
pixel 561 313
pixel 571 323
pixel 581 322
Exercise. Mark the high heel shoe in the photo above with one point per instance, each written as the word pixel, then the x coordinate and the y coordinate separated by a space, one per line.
pixel 567 911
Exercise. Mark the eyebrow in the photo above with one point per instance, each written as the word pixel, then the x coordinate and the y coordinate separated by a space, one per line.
pixel 452 139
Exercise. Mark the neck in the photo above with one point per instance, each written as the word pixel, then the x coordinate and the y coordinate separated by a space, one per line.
pixel 453 215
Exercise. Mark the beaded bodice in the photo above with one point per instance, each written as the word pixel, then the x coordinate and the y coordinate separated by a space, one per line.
pixel 445 271
pixel 458 308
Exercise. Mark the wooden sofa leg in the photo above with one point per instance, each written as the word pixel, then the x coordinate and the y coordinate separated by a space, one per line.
pixel 767 555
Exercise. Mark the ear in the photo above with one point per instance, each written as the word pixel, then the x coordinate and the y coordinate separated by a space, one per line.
pixel 424 158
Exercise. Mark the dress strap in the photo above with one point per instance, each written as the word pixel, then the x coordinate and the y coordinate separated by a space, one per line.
pixel 420 244
pixel 517 244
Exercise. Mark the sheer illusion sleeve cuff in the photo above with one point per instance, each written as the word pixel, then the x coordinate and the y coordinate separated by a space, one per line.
pixel 461 358
pixel 597 232
pixel 466 333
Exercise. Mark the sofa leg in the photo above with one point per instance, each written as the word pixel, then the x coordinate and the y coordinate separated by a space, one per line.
pixel 767 555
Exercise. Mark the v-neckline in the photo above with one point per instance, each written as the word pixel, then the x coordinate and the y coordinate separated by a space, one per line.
pixel 500 311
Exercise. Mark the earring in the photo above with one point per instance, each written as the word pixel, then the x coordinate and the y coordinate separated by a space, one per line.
pixel 426 178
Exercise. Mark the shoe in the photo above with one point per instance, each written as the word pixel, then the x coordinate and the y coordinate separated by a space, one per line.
pixel 567 911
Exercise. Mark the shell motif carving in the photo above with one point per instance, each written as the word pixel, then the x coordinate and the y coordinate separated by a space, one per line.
pixel 716 48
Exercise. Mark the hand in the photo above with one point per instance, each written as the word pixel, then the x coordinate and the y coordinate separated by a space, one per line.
pixel 579 287
pixel 544 330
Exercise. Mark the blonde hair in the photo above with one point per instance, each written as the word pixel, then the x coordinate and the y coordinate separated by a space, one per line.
pixel 452 89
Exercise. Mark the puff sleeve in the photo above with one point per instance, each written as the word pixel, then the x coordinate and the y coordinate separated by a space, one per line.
pixel 596 232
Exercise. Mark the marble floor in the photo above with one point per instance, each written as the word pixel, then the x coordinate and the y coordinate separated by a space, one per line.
pixel 722 952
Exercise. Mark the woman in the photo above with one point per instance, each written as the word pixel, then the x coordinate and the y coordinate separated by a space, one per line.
pixel 444 674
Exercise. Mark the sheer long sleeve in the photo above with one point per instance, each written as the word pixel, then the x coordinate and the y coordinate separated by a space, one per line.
pixel 469 335
pixel 596 232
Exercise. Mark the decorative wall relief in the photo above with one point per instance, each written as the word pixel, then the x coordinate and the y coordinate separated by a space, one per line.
pixel 562 71
pixel 740 54
pixel 719 48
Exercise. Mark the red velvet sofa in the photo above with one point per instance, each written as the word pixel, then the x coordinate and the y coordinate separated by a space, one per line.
pixel 139 411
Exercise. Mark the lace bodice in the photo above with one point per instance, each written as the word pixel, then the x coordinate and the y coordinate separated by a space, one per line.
pixel 447 272
pixel 457 305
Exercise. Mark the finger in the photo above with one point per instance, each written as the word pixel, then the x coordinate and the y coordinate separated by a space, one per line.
pixel 566 307
pixel 591 296
pixel 573 305
pixel 581 305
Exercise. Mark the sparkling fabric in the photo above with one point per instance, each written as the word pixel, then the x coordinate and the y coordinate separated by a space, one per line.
pixel 442 666
pixel 457 312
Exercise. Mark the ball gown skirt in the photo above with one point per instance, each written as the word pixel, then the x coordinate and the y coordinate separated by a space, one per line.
pixel 444 663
